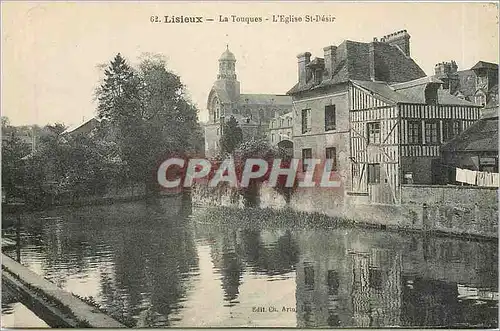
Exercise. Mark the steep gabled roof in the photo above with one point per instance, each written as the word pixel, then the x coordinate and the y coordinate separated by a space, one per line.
pixel 410 92
pixel 416 82
pixel 485 65
pixel 355 59
pixel 383 90
pixel 480 136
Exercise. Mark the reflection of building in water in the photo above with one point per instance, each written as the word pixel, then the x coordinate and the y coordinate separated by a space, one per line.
pixel 339 287
pixel 321 277
pixel 377 279
pixel 376 288
pixel 224 249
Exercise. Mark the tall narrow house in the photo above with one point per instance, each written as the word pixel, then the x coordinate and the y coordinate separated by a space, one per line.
pixel 371 108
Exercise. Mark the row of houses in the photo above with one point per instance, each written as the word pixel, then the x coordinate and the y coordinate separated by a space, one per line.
pixel 374 111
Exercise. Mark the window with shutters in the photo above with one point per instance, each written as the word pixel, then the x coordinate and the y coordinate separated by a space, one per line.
pixel 432 132
pixel 451 129
pixel 414 132
pixel 373 129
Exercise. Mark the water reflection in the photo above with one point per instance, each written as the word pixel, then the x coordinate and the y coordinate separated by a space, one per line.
pixel 157 267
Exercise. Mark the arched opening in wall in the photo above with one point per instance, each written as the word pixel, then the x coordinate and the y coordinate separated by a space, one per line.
pixel 287 146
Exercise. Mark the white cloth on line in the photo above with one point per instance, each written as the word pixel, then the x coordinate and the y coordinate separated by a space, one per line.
pixel 470 176
pixel 496 179
pixel 460 175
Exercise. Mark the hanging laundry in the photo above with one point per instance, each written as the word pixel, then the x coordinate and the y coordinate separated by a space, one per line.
pixel 460 175
pixel 470 176
pixel 496 179
pixel 482 179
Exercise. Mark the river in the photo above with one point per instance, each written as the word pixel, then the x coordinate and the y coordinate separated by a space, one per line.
pixel 157 268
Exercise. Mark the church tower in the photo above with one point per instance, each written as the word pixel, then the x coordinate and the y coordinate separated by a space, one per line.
pixel 226 78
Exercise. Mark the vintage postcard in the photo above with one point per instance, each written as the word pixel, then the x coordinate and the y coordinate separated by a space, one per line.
pixel 250 164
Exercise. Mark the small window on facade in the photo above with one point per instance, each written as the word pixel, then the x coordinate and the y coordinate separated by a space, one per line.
pixel 306 154
pixel 374 173
pixel 432 132
pixel 282 122
pixel 375 278
pixel 355 169
pixel 306 125
pixel 331 153
pixel 414 132
pixel 373 132
pixel 333 282
pixel 451 129
pixel 218 131
pixel 289 121
pixel 309 276
pixel 272 138
pixel 330 120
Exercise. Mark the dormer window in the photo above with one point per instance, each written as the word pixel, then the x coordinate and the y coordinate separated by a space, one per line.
pixel 431 94
pixel 316 67
pixel 317 76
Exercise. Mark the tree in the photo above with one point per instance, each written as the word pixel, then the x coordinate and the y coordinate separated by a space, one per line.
pixel 13 150
pixel 151 113
pixel 232 136
pixel 261 149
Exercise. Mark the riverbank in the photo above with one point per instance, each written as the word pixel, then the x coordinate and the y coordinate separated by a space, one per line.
pixel 55 306
pixel 450 211
pixel 196 270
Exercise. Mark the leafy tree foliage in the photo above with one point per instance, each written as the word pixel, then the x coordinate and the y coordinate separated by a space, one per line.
pixel 151 113
pixel 13 150
pixel 232 136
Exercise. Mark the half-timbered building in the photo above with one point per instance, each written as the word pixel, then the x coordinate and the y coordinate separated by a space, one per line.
pixel 321 103
pixel 396 133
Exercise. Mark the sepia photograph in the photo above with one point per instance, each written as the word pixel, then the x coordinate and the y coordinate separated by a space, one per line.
pixel 237 164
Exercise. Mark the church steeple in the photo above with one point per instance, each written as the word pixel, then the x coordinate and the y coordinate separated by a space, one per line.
pixel 227 68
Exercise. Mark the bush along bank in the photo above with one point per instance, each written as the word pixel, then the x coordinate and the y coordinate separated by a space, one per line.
pixel 268 217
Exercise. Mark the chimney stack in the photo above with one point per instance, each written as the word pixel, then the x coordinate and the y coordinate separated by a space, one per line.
pixel 330 54
pixel 303 60
pixel 445 68
pixel 400 39
pixel 371 55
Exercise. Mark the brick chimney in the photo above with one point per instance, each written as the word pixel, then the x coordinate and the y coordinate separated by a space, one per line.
pixel 330 53
pixel 304 74
pixel 445 68
pixel 371 55
pixel 400 39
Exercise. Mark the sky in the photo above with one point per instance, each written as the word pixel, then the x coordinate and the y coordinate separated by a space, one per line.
pixel 51 52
